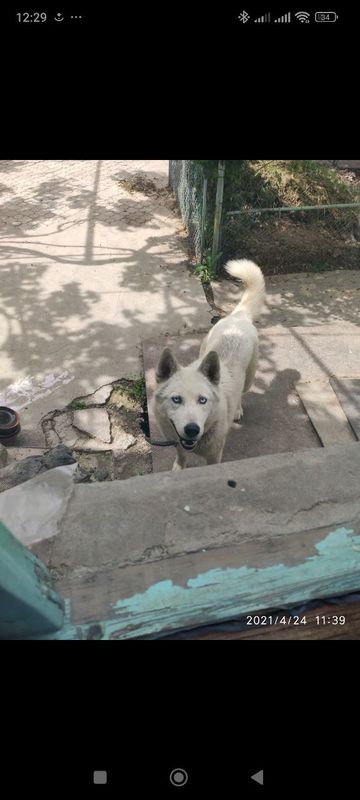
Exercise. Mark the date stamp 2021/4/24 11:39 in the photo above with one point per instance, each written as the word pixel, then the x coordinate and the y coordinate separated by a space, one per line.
pixel 293 619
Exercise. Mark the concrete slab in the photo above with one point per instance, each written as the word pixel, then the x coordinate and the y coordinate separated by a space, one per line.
pixel 348 391
pixel 167 551
pixel 300 299
pixel 88 270
pixel 28 437
pixel 325 412
pixel 99 397
pixel 94 422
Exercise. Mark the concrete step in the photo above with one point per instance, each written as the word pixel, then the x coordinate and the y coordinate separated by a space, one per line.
pixel 172 551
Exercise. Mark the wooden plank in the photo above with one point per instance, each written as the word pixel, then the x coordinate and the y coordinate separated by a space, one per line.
pixel 325 412
pixel 28 603
pixel 176 551
pixel 348 392
pixel 313 629
pixel 156 597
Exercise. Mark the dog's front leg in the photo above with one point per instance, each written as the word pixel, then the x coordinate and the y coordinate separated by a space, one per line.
pixel 215 456
pixel 180 460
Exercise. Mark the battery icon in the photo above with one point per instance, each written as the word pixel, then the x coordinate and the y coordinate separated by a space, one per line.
pixel 326 16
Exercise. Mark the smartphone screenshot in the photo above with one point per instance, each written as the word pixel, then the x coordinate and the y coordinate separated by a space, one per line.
pixel 179 398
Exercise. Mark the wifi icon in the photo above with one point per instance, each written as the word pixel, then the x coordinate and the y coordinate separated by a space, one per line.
pixel 302 16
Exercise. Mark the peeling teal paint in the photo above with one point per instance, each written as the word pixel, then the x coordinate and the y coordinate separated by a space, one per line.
pixel 220 594
pixel 28 602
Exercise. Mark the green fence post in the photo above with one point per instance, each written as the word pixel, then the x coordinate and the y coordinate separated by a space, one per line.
pixel 203 217
pixel 28 605
pixel 218 210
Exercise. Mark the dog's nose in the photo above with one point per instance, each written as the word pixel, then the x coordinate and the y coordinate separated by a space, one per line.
pixel 191 430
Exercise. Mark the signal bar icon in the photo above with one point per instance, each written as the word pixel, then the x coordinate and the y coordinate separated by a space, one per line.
pixel 264 18
pixel 284 18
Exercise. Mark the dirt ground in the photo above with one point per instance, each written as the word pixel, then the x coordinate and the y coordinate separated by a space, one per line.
pixel 298 242
pixel 284 247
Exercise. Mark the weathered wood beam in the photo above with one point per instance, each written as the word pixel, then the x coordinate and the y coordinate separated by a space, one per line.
pixel 28 604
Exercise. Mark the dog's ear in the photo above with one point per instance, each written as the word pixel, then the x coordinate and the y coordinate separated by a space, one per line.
pixel 166 366
pixel 210 367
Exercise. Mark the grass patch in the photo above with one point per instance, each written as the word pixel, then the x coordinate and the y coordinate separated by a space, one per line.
pixel 261 184
pixel 138 183
pixel 130 395
pixel 135 390
pixel 77 405
pixel 132 390
pixel 294 183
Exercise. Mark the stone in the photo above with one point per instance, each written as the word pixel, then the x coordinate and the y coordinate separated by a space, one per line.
pixel 64 429
pixel 99 397
pixel 123 441
pixel 101 474
pixel 22 471
pixel 95 422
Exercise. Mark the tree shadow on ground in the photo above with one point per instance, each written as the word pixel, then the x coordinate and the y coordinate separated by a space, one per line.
pixel 45 326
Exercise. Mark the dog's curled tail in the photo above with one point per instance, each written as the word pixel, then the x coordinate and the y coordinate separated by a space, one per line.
pixel 250 274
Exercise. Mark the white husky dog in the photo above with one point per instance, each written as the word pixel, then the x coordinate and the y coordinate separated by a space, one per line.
pixel 201 402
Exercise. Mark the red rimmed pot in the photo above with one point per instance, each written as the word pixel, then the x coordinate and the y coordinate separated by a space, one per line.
pixel 9 423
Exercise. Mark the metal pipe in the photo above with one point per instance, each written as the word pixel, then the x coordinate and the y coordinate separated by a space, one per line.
pixel 292 208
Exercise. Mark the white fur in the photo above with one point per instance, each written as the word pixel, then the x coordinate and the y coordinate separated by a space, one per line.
pixel 235 341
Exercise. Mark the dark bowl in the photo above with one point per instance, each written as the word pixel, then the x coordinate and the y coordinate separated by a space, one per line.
pixel 9 423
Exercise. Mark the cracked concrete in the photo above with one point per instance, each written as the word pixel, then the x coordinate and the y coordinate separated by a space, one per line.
pixel 114 451
pixel 94 422
pixel 144 519
pixel 99 397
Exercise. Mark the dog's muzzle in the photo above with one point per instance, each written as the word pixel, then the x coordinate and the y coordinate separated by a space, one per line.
pixel 189 444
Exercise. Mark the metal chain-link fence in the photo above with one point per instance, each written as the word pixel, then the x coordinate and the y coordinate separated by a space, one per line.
pixel 289 216
pixel 190 186
pixel 294 239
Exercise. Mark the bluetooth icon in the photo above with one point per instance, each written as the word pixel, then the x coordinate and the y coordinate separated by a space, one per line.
pixel 244 17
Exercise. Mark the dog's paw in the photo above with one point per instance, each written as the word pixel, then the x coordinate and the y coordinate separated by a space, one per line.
pixel 239 414
pixel 176 466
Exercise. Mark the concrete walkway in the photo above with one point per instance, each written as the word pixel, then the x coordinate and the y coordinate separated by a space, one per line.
pixel 88 269
pixel 309 331
pixel 92 269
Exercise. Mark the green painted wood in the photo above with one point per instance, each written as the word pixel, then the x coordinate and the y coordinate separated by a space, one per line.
pixel 220 594
pixel 28 605
pixel 179 551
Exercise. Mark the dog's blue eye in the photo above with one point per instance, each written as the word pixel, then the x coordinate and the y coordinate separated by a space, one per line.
pixel 202 399
pixel 176 399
